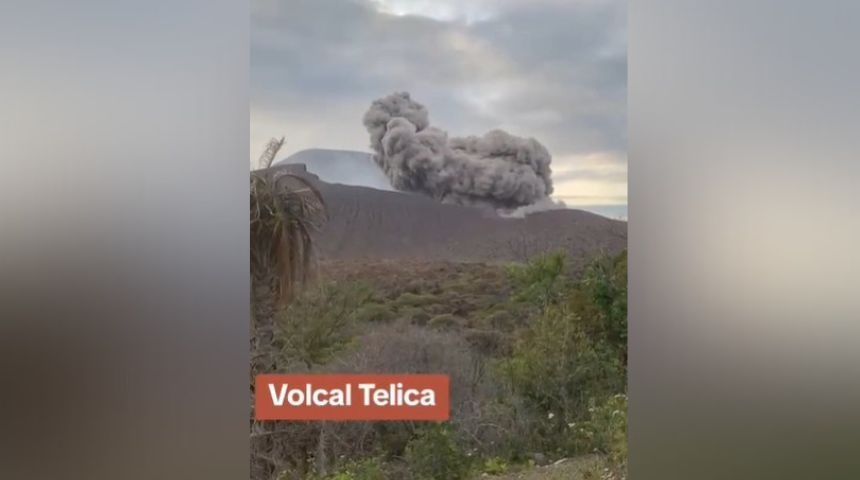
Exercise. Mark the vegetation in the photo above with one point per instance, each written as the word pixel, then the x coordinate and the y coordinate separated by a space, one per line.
pixel 536 354
pixel 367 469
pixel 604 287
pixel 541 281
pixel 605 431
pixel 319 323
pixel 284 210
pixel 434 455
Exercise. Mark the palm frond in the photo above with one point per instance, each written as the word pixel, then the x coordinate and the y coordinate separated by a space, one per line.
pixel 285 210
pixel 268 155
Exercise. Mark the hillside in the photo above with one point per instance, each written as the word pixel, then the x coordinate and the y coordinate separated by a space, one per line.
pixel 501 335
pixel 372 224
pixel 341 166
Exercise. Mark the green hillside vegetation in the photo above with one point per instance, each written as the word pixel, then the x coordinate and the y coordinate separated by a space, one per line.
pixel 536 355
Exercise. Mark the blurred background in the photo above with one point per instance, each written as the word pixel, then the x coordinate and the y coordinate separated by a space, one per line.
pixel 743 233
pixel 123 239
pixel 123 267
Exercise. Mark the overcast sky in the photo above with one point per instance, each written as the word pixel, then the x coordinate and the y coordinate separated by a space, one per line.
pixel 555 70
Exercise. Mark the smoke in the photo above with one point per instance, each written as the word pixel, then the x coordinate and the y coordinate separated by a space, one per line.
pixel 498 169
pixel 541 205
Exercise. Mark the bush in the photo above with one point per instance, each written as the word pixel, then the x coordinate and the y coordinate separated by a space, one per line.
pixel 374 312
pixel 536 360
pixel 558 368
pixel 495 466
pixel 604 284
pixel 444 321
pixel 435 455
pixel 318 324
pixel 410 299
pixel 409 349
pixel 540 282
pixel 370 469
pixel 605 431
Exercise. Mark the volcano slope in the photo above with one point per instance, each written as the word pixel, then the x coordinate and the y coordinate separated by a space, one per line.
pixel 367 224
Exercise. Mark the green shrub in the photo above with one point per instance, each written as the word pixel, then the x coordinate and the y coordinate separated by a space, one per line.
pixel 605 429
pixel 535 358
pixel 319 323
pixel 495 466
pixel 541 281
pixel 444 321
pixel 410 299
pixel 435 455
pixel 375 312
pixel 558 367
pixel 369 469
pixel 604 284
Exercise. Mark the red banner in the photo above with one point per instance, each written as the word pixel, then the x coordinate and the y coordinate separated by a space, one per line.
pixel 352 397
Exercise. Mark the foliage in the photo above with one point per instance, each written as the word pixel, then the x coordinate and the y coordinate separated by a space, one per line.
pixel 320 322
pixel 558 367
pixel 284 210
pixel 444 321
pixel 605 429
pixel 541 281
pixel 529 350
pixel 269 154
pixel 604 284
pixel 418 317
pixel 570 352
pixel 489 343
pixel 368 469
pixel 410 299
pixel 605 432
pixel 435 455
pixel 495 466
pixel 501 320
pixel 374 312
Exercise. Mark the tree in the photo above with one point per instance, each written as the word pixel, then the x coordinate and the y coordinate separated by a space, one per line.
pixel 285 209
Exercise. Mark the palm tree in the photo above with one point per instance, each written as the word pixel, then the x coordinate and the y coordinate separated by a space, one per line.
pixel 285 209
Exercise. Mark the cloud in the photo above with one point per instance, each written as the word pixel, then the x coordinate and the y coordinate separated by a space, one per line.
pixel 549 69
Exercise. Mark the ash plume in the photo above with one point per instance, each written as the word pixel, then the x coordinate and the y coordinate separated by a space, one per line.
pixel 498 169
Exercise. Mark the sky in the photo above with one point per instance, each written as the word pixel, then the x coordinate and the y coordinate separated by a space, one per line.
pixel 555 70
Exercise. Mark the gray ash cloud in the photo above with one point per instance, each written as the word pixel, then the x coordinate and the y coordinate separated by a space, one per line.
pixel 496 169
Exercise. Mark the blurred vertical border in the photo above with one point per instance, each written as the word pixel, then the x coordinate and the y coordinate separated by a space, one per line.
pixel 744 227
pixel 123 239
pixel 123 258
